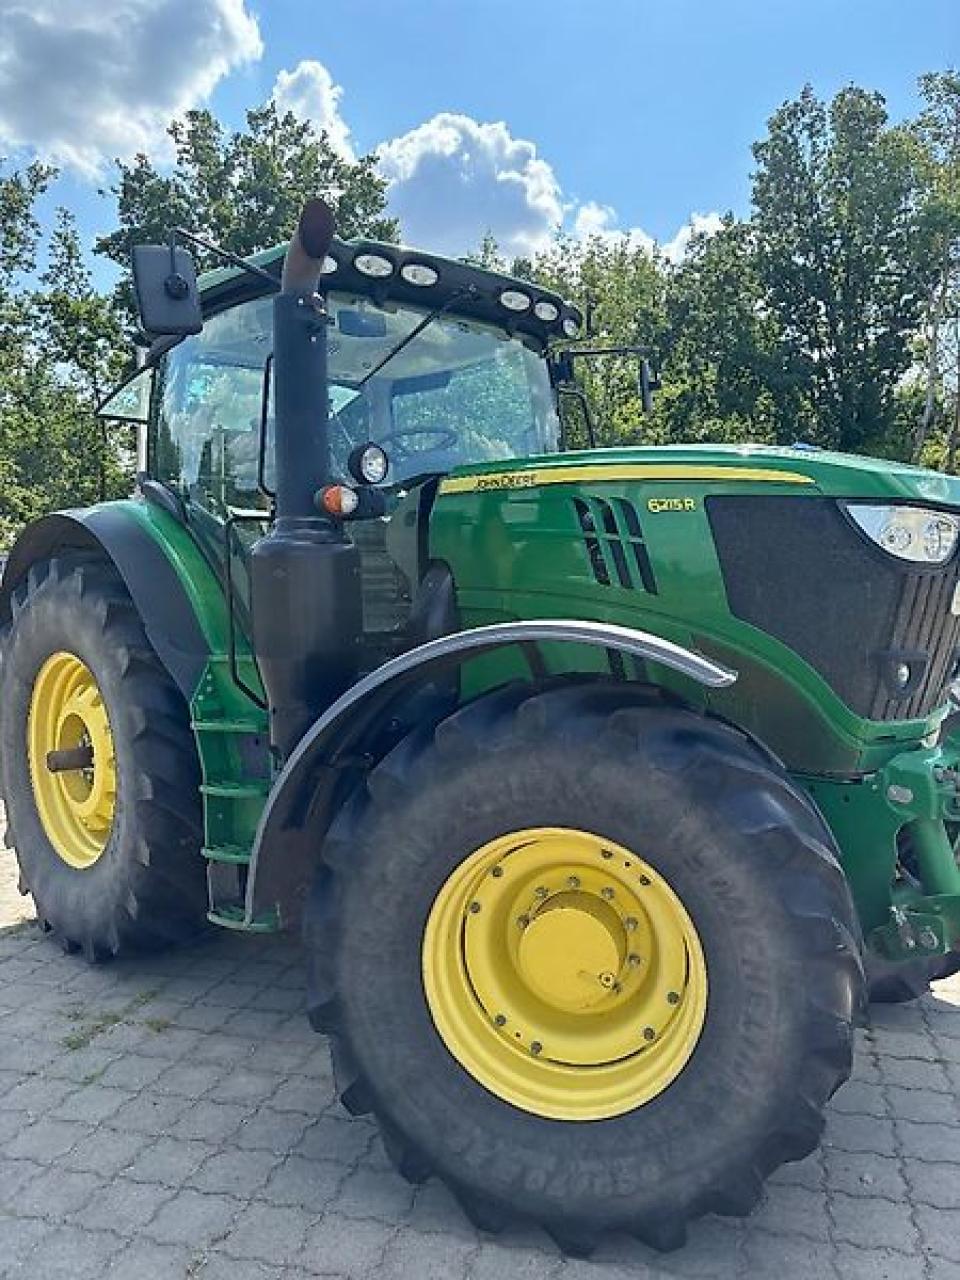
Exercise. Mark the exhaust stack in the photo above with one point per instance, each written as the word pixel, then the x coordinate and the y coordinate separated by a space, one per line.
pixel 304 573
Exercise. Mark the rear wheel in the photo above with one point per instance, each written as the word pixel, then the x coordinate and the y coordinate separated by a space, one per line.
pixel 593 965
pixel 98 766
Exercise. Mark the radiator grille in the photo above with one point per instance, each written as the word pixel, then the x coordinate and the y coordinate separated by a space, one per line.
pixel 614 541
pixel 799 570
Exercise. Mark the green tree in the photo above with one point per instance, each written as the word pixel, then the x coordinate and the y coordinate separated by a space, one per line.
pixel 623 286
pixel 243 189
pixel 938 132
pixel 58 345
pixel 724 375
pixel 844 258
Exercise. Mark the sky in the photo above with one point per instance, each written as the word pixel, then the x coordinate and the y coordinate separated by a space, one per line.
pixel 506 116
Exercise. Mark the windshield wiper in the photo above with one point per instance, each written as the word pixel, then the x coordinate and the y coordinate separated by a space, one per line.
pixel 415 332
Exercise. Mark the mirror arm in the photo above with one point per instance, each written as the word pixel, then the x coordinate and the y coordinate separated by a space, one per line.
pixel 578 394
pixel 227 255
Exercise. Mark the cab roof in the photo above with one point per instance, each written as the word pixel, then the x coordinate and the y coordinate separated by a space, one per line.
pixel 462 289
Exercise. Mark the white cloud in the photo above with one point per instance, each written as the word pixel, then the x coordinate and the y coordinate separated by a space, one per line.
pixel 707 223
pixel 311 93
pixel 598 221
pixel 82 83
pixel 593 220
pixel 453 179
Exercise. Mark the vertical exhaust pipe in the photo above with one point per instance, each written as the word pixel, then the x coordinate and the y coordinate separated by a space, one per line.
pixel 304 573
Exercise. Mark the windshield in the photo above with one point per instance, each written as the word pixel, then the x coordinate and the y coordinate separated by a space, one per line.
pixel 458 392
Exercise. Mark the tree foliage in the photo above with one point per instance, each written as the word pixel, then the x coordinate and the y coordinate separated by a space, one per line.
pixel 243 190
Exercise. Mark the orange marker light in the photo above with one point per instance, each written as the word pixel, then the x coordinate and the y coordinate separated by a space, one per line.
pixel 339 500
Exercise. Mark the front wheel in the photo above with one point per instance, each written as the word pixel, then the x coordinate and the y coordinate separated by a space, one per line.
pixel 98 766
pixel 594 965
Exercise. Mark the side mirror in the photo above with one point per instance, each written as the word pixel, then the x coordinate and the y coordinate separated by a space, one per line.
pixel 647 384
pixel 165 280
pixel 561 369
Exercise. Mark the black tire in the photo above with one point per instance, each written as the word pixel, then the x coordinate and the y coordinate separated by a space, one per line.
pixel 147 888
pixel 900 983
pixel 756 870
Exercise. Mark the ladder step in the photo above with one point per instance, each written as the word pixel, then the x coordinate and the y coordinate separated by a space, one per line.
pixel 233 917
pixel 236 790
pixel 234 853
pixel 228 726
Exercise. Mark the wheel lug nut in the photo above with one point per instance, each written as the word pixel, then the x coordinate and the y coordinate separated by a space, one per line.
pixel 630 924
pixel 541 892
pixel 649 1033
pixel 474 908
pixel 536 1047
pixel 673 997
pixel 573 882
pixel 500 1020
pixel 633 961
pixel 606 893
pixel 497 872
pixel 523 921
pixel 644 879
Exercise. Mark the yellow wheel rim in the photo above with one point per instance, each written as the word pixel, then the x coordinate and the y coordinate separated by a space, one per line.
pixel 564 974
pixel 76 805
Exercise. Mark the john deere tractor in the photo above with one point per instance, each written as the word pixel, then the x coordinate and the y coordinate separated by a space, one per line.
pixel 596 779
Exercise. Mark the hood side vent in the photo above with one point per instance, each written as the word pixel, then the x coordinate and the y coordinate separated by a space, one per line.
pixel 615 545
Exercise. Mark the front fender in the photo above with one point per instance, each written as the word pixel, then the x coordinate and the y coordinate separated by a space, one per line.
pixel 302 799
pixel 172 586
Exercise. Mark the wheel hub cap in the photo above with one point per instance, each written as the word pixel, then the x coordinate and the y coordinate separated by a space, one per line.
pixel 75 806
pixel 564 973
pixel 571 950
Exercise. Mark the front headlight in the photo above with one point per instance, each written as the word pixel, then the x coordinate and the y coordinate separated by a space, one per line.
pixel 910 533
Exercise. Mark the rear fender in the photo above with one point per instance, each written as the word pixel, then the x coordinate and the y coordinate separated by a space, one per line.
pixel 305 794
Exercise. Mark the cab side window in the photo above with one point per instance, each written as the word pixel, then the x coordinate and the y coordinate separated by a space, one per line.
pixel 207 430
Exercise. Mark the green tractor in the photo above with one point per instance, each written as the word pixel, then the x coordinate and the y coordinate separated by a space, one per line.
pixel 600 782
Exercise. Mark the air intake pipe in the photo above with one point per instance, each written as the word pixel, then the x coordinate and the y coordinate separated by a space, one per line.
pixel 304 573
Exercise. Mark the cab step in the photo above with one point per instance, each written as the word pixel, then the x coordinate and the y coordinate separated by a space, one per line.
pixel 233 917
pixel 232 853
pixel 236 790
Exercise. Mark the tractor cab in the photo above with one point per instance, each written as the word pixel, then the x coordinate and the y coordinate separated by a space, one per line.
pixel 431 364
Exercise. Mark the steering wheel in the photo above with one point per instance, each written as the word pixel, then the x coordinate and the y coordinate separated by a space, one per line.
pixel 447 436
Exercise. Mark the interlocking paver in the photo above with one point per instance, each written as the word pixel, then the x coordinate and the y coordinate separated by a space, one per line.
pixel 70 1253
pixel 940 1231
pixel 928 1141
pixel 268 1233
pixel 124 1206
pixel 794 1209
pixel 310 1183
pixel 871 1221
pixel 197 1139
pixel 878 1264
pixel 45 1139
pixel 91 1104
pixel 147 1260
pixel 170 1161
pixel 858 1174
pixel 343 1246
pixel 239 1173
pixel 56 1193
pixel 194 1218
pixel 934 1183
pixel 105 1151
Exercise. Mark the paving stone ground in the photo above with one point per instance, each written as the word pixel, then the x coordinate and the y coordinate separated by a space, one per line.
pixel 175 1117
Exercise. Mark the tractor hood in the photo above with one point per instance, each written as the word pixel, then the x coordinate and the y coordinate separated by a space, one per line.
pixel 839 475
